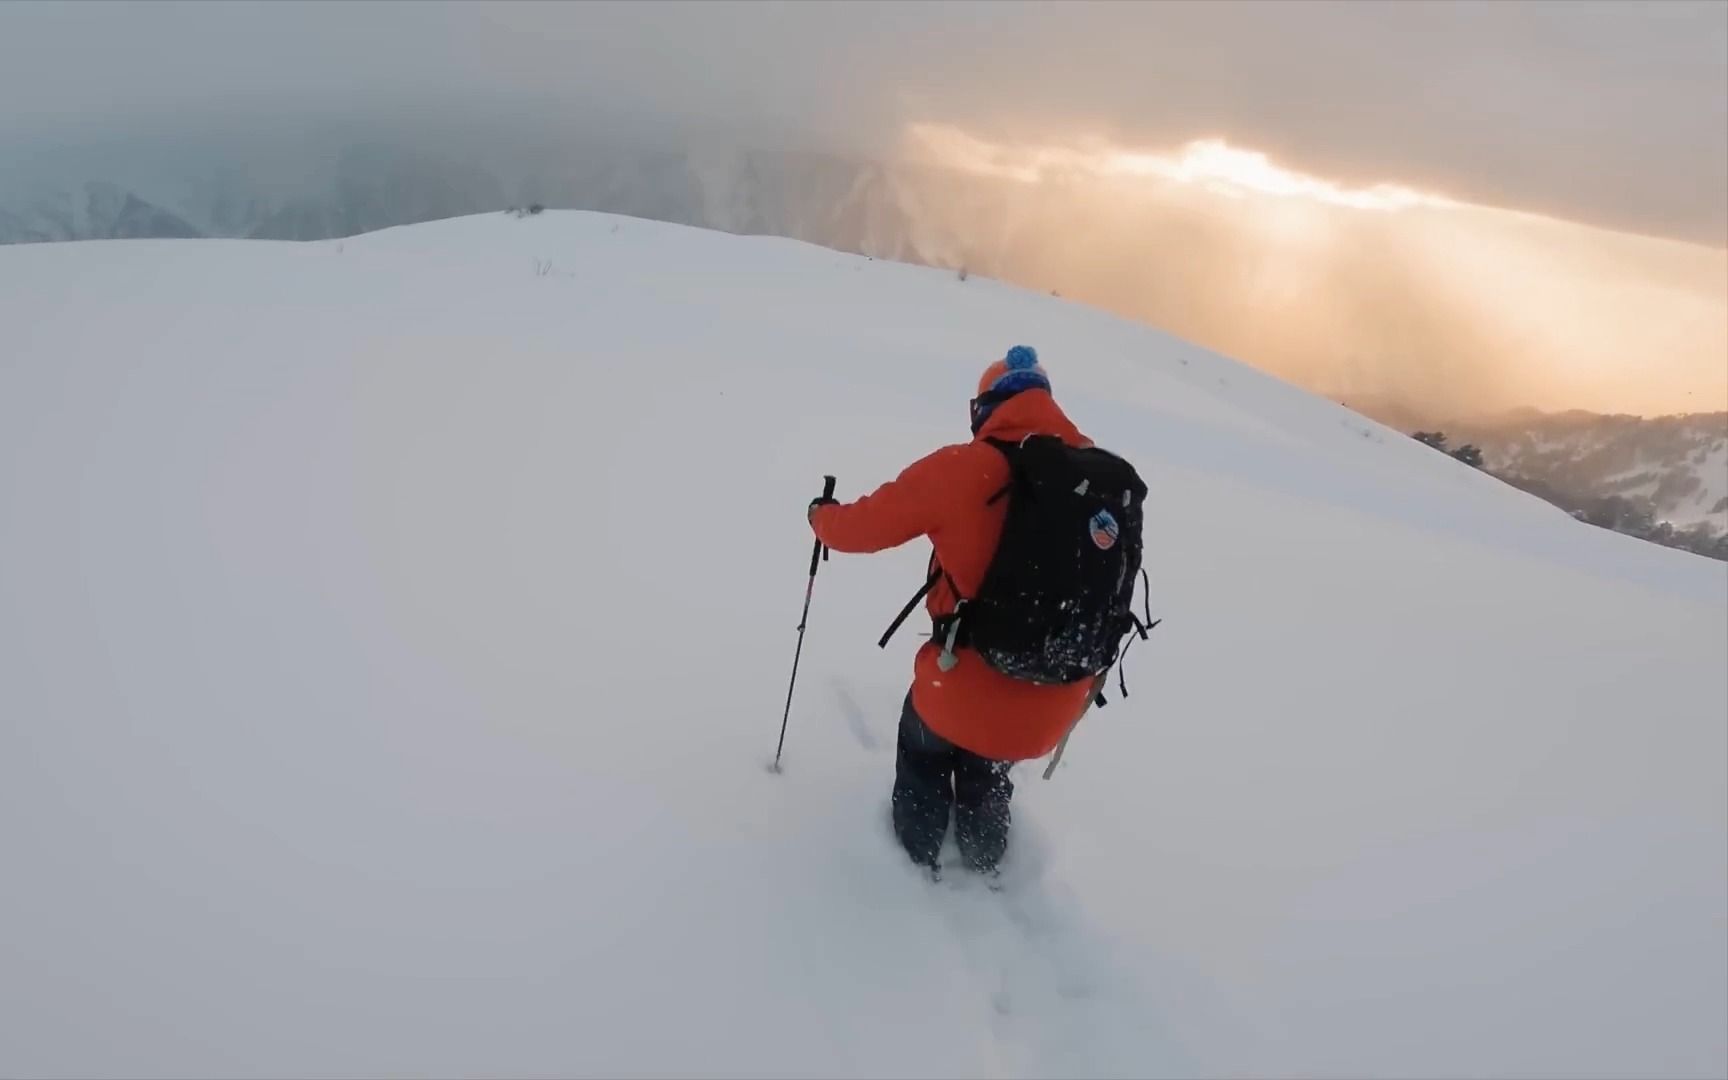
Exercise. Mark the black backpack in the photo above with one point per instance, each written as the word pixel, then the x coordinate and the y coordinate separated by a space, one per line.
pixel 1057 598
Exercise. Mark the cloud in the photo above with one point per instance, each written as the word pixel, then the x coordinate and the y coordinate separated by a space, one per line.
pixel 1377 293
pixel 1614 113
pixel 1227 170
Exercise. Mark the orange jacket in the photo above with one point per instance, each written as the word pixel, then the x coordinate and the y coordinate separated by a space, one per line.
pixel 944 497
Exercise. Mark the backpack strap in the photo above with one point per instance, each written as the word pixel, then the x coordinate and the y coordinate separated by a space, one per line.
pixel 947 624
pixel 1142 631
pixel 906 612
pixel 1012 451
pixel 936 574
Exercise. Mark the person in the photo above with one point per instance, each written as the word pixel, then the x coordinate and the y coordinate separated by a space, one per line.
pixel 963 724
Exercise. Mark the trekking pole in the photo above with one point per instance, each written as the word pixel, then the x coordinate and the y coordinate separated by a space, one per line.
pixel 1097 689
pixel 1056 758
pixel 817 554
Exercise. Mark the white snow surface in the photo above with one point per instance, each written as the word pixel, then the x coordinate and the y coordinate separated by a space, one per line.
pixel 393 639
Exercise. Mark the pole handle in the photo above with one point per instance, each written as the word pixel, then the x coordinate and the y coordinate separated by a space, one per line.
pixel 819 553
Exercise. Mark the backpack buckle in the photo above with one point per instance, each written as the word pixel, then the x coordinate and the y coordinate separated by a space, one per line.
pixel 949 632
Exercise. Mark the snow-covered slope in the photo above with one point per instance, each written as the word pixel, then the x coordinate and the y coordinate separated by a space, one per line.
pixel 393 633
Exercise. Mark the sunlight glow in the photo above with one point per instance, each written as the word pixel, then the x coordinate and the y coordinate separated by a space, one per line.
pixel 1356 291
pixel 1215 162
pixel 1210 163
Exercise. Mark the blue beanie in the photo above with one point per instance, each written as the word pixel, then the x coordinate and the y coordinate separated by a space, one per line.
pixel 1017 371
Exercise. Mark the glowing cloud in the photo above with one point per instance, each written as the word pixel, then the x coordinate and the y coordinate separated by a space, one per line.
pixel 1215 162
pixel 1377 292
pixel 1209 163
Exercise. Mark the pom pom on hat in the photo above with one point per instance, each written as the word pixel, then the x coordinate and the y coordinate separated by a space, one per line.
pixel 1019 370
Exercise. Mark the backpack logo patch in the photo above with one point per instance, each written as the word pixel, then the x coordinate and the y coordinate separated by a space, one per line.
pixel 1104 530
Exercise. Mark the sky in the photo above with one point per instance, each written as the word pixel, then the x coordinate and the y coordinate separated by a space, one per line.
pixel 1396 300
pixel 1610 113
pixel 1508 203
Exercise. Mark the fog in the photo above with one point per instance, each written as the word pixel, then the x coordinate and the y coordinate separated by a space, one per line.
pixel 1568 161
pixel 1379 296
pixel 1611 113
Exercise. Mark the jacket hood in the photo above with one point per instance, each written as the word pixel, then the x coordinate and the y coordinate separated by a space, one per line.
pixel 1031 412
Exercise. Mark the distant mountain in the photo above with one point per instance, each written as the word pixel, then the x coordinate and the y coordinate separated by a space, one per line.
pixel 1661 478
pixel 1675 467
pixel 842 203
pixel 95 210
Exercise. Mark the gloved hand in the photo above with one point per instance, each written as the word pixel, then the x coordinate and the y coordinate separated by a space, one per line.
pixel 820 500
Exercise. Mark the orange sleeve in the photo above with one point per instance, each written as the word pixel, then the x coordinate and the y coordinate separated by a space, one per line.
pixel 911 505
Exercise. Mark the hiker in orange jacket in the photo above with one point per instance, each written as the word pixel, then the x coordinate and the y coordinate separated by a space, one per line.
pixel 961 729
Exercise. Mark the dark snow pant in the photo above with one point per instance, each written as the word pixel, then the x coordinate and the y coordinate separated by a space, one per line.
pixel 933 776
